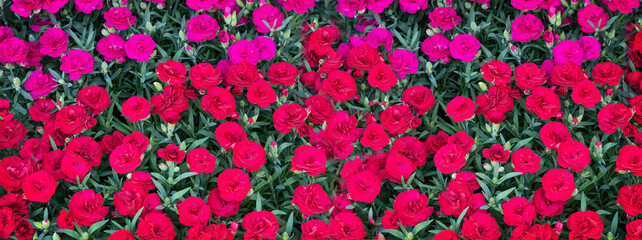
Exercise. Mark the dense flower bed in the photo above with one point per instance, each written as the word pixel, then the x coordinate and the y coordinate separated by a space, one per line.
pixel 304 119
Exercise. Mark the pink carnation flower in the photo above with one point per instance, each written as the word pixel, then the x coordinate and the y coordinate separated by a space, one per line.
pixel 77 62
pixel 377 6
pixel 412 6
pixel 592 48
pixel 200 5
pixel 243 50
pixel 112 47
pixel 201 28
pixel 624 6
pixel 299 6
pixel 267 14
pixel 592 17
pixel 526 5
pixel 222 4
pixel 13 50
pixel 54 42
pixel 446 18
pixel 379 37
pixel 53 6
pixel 403 62
pixel 140 47
pixel 526 28
pixel 464 47
pixel 266 47
pixel 25 7
pixel 40 84
pixel 88 6
pixel 568 50
pixel 436 47
pixel 349 8
pixel 120 18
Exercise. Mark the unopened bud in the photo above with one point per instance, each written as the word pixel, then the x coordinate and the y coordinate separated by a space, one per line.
pixel 483 86
pixel 410 235
pixel 488 167
pixel 162 167
pixel 158 86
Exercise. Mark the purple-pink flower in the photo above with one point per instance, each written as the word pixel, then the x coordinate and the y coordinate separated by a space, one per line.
pixel 444 17
pixel 526 27
pixel 592 48
pixel 267 18
pixel 377 6
pixel 54 42
pixel 412 6
pixel 526 5
pixel 568 50
pixel 121 18
pixel 77 62
pixel 201 28
pixel 299 6
pixel 436 47
pixel 465 47
pixel 112 47
pixel 40 84
pixel 592 17
pixel 13 50
pixel 243 50
pixel 350 7
pixel 266 47
pixel 403 62
pixel 140 47
pixel 379 37
pixel 88 6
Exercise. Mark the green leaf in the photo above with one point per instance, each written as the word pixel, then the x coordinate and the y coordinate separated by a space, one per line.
pixel 504 194
pixel 133 223
pixel 288 225
pixel 461 218
pixel 395 233
pixel 96 226
pixel 72 233
pixel 197 144
pixel 421 226
pixel 616 218
pixel 259 205
pixel 179 194
pixel 185 175
pixel 508 176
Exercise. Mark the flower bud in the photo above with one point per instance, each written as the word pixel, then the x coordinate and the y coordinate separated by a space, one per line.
pixel 514 50
pixel 488 167
pixel 429 32
pixel 162 167
pixel 158 86
pixel 483 86
pixel 410 235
